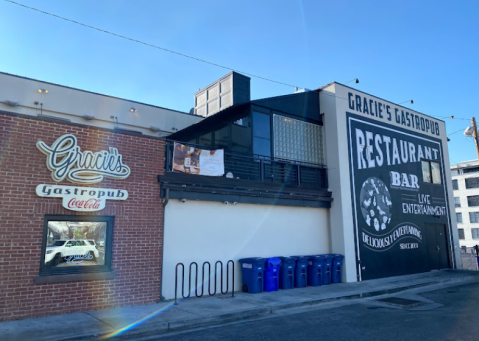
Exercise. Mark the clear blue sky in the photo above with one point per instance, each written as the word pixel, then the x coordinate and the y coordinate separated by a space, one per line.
pixel 427 51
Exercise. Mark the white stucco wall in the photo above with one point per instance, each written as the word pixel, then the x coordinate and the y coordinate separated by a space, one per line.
pixel 199 231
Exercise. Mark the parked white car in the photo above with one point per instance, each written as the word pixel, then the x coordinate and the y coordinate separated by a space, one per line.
pixel 70 251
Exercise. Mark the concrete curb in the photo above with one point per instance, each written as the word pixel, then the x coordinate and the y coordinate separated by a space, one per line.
pixel 161 327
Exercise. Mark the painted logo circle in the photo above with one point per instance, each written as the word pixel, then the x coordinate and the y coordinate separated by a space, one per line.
pixel 375 203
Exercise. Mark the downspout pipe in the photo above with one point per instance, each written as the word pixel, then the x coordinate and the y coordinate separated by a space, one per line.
pixel 165 202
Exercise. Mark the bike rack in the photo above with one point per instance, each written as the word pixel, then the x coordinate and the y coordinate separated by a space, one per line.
pixel 195 265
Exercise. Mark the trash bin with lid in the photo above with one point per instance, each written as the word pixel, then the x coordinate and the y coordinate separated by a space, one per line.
pixel 252 271
pixel 301 271
pixel 327 264
pixel 315 270
pixel 337 268
pixel 286 272
pixel 271 274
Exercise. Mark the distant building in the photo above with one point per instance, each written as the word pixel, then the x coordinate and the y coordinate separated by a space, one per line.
pixel 465 183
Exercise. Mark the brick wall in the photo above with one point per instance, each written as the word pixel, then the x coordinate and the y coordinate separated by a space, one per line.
pixel 137 234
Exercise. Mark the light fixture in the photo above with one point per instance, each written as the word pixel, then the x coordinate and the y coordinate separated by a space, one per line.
pixel 43 91
pixel 155 128
pixel 11 102
pixel 356 80
pixel 132 109
pixel 88 117
pixel 410 102
pixel 469 130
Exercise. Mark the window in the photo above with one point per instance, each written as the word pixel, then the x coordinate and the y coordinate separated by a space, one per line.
pixel 475 233
pixel 459 217
pixel 76 244
pixel 221 138
pixel 457 201
pixel 470 170
pixel 241 136
pixel 473 200
pixel 431 171
pixel 261 134
pixel 474 217
pixel 454 185
pixel 205 140
pixel 461 233
pixel 472 183
pixel 297 140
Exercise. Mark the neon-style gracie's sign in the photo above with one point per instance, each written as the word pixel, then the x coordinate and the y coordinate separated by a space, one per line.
pixel 66 161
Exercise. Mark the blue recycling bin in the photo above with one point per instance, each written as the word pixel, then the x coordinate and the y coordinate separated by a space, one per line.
pixel 337 268
pixel 327 264
pixel 252 271
pixel 271 274
pixel 301 271
pixel 315 270
pixel 286 272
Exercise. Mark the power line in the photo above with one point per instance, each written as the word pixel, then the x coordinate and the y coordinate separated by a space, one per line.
pixel 455 132
pixel 147 44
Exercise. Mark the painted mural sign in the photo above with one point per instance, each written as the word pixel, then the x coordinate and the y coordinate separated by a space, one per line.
pixel 65 160
pixel 191 160
pixel 397 186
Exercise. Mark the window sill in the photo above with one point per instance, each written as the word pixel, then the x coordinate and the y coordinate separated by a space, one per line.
pixel 93 276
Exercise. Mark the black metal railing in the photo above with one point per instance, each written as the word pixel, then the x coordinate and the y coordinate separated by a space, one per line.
pixel 264 169
pixel 217 272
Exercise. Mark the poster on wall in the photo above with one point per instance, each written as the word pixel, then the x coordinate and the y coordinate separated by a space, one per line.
pixel 398 192
pixel 191 160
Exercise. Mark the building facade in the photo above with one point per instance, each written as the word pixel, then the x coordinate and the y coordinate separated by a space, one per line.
pixel 81 224
pixel 465 183
pixel 106 196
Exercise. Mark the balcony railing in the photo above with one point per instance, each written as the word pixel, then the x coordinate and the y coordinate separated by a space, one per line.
pixel 264 169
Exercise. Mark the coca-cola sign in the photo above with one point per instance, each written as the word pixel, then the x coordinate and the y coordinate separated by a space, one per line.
pixel 82 199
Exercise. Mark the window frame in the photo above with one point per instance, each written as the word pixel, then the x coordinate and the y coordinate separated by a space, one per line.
pixel 455 188
pixel 459 214
pixel 429 162
pixel 472 233
pixel 457 203
pixel 463 234
pixel 45 271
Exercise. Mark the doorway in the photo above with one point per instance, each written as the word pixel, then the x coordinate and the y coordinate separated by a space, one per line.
pixel 437 253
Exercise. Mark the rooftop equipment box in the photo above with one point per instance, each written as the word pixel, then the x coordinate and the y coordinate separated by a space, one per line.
pixel 229 90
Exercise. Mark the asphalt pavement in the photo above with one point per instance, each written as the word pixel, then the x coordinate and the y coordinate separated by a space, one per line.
pixel 449 313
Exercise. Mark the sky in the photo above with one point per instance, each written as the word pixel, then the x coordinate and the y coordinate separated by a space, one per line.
pixel 427 51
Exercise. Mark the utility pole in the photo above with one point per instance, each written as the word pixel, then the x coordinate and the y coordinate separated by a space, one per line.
pixel 474 132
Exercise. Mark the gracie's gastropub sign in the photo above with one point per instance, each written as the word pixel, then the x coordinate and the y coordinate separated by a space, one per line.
pixel 391 196
pixel 66 161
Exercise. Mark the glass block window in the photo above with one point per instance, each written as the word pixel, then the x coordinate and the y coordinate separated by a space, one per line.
pixel 457 201
pixel 472 183
pixel 473 200
pixel 474 217
pixel 459 217
pixel 454 185
pixel 461 233
pixel 297 140
pixel 475 233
